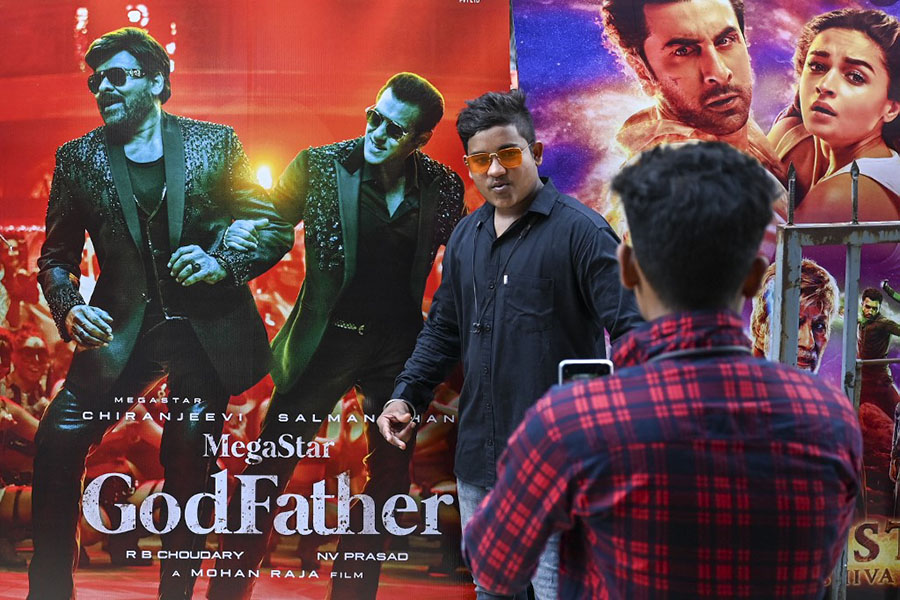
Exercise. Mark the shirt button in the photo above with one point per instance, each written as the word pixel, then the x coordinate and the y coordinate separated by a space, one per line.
pixel 487 328
pixel 484 370
pixel 491 285
pixel 490 442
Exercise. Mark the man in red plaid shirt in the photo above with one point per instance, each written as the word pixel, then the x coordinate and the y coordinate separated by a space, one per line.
pixel 697 471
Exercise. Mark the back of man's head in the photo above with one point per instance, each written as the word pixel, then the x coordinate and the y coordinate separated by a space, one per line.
pixel 495 109
pixel 696 216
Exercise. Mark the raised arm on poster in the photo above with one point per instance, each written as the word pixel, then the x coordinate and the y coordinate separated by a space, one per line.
pixel 529 279
pixel 617 465
pixel 171 298
pixel 848 99
pixel 375 211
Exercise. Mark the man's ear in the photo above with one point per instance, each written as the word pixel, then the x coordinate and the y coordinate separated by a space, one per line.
pixel 753 280
pixel 423 138
pixel 157 84
pixel 537 151
pixel 628 269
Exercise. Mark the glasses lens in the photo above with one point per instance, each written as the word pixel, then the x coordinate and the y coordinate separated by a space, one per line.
pixel 510 157
pixel 479 163
pixel 375 119
pixel 116 75
pixel 394 131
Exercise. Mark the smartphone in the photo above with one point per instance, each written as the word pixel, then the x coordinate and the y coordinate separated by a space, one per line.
pixel 574 369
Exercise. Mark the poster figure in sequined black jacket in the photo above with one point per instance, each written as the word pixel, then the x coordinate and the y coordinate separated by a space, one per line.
pixel 375 211
pixel 156 193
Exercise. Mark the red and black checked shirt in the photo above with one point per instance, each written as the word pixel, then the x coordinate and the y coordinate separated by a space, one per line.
pixel 701 475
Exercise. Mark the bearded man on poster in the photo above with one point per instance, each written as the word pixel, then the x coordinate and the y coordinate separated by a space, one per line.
pixel 692 58
pixel 819 306
pixel 375 211
pixel 156 194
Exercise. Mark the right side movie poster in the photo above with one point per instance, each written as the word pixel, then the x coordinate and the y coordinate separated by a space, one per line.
pixel 806 84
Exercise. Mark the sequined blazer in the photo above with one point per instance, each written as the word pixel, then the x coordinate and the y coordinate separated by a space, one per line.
pixel 319 189
pixel 209 184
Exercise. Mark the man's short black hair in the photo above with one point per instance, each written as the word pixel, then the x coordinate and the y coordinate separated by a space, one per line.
pixel 495 109
pixel 696 214
pixel 141 45
pixel 873 294
pixel 415 89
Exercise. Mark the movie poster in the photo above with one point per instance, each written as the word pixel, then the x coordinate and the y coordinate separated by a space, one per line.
pixel 286 76
pixel 596 104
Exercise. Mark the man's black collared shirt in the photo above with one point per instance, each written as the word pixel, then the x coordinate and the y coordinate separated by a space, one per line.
pixel 379 292
pixel 511 308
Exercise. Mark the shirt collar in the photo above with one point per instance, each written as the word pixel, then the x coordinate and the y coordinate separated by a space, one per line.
pixel 542 204
pixel 545 199
pixel 680 331
pixel 410 170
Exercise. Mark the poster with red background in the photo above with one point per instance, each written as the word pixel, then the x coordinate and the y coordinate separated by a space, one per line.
pixel 286 76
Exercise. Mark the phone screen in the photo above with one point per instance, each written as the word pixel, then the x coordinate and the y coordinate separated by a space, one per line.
pixel 576 369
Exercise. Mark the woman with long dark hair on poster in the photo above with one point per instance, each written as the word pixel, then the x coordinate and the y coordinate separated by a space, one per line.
pixel 845 110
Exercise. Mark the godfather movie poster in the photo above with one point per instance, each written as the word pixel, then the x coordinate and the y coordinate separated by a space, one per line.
pixel 277 77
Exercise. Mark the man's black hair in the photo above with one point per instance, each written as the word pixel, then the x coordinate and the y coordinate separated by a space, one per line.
pixel 415 89
pixel 493 109
pixel 141 45
pixel 696 214
pixel 873 294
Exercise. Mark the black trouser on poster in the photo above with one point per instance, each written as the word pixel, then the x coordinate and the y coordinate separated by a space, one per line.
pixel 65 438
pixel 343 360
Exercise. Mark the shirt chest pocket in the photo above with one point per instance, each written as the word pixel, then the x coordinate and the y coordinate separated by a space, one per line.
pixel 528 302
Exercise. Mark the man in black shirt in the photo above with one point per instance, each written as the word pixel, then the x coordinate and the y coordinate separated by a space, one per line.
pixel 375 211
pixel 156 193
pixel 529 279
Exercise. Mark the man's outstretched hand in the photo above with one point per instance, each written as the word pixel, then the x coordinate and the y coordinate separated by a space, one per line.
pixel 395 424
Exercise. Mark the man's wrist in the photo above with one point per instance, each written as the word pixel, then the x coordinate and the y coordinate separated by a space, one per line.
pixel 223 268
pixel 410 407
pixel 222 260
